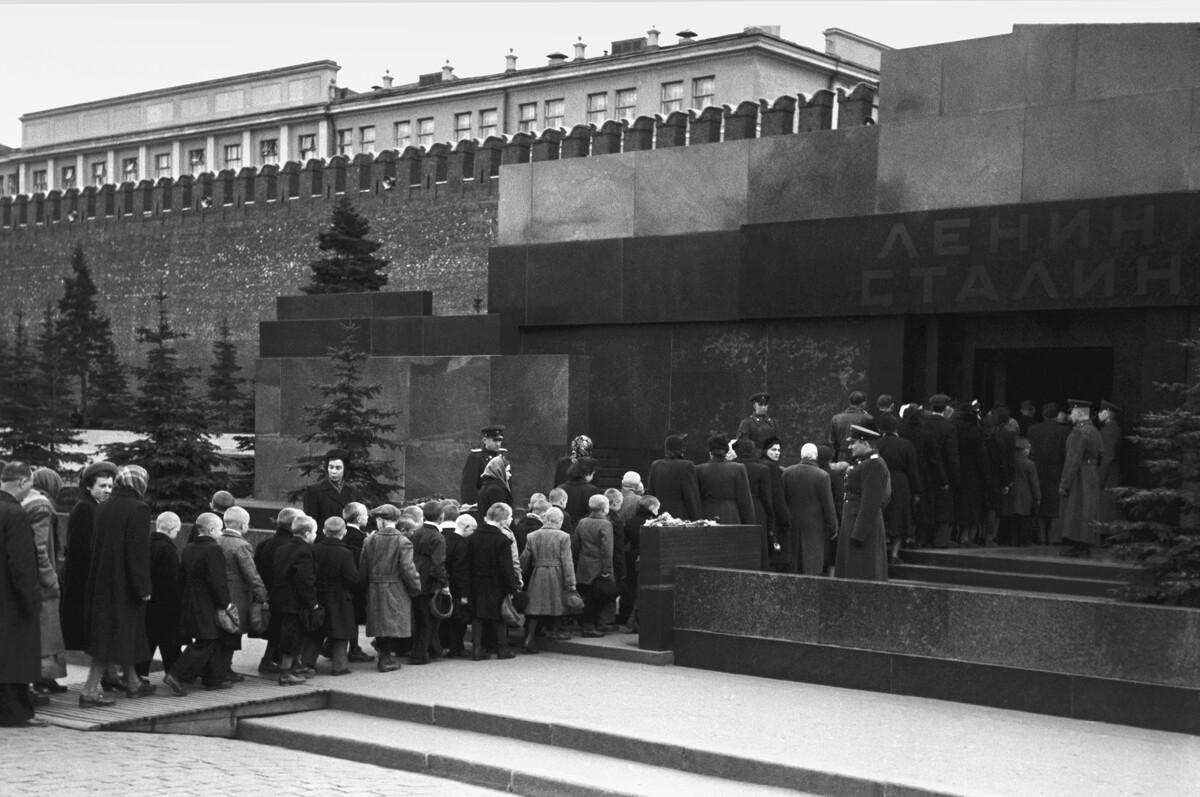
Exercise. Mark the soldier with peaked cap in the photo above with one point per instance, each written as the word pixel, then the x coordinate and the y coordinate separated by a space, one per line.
pixel 758 427
pixel 491 446
pixel 1109 471
pixel 862 540
pixel 1080 483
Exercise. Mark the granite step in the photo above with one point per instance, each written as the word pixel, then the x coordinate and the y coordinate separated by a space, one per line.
pixel 991 579
pixel 495 759
pixel 1040 560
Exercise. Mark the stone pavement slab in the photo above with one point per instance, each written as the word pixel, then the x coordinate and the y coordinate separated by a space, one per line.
pixel 67 763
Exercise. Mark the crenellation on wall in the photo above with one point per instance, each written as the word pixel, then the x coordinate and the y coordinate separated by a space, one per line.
pixel 672 131
pixel 705 125
pixel 779 117
pixel 547 145
pixel 639 134
pixel 815 112
pixel 856 107
pixel 578 142
pixel 741 122
pixel 607 140
pixel 433 167
pixel 487 160
pixel 460 165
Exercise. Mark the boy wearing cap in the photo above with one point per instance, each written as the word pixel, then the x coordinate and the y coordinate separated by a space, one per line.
pixel 862 545
pixel 391 577
pixel 490 446
pixel 1079 486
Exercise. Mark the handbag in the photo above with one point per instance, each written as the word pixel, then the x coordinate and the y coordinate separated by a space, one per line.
pixel 604 588
pixel 572 601
pixel 228 620
pixel 260 618
pixel 510 614
pixel 314 619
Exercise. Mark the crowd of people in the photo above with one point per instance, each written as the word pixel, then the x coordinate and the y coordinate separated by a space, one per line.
pixel 424 579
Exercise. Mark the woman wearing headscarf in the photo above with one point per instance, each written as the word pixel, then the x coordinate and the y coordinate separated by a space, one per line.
pixel 581 447
pixel 118 586
pixel 780 519
pixel 39 504
pixel 494 486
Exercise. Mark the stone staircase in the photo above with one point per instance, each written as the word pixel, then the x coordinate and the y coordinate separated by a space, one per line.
pixel 1037 569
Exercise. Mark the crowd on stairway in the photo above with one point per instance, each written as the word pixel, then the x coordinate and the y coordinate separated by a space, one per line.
pixel 425 579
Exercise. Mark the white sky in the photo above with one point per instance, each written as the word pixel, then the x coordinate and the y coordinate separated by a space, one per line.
pixel 61 53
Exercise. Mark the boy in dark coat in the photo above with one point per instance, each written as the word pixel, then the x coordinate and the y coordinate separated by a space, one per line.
pixel 453 629
pixel 355 515
pixel 337 579
pixel 492 579
pixel 724 487
pixel 429 557
pixel 295 593
pixel 205 589
pixel 264 561
pixel 162 612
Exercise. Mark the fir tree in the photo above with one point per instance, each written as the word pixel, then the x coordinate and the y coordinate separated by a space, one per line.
pixel 35 432
pixel 54 421
pixel 226 394
pixel 352 267
pixel 1162 530
pixel 109 389
pixel 343 420
pixel 83 332
pixel 184 466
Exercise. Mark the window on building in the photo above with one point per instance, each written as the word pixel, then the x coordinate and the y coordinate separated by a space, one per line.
pixel 233 156
pixel 703 91
pixel 196 161
pixel 162 165
pixel 99 173
pixel 554 113
pixel 129 170
pixel 425 132
pixel 462 126
pixel 488 123
pixel 13 184
pixel 527 117
pixel 366 139
pixel 268 150
pixel 672 97
pixel 307 144
pixel 68 177
pixel 626 103
pixel 403 134
pixel 39 181
pixel 597 109
pixel 345 142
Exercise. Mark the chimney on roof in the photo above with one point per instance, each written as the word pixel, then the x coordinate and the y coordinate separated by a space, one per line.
pixel 556 59
pixel 447 71
pixel 652 37
pixel 579 48
pixel 510 61
pixel 387 78
pixel 685 36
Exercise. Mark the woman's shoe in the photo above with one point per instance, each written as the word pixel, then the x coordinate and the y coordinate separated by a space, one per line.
pixel 99 701
pixel 288 679
pixel 174 685
pixel 112 684
pixel 50 685
pixel 141 690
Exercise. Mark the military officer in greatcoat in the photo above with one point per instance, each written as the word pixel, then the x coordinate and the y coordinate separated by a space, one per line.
pixel 862 539
pixel 1080 483
pixel 491 446
pixel 759 426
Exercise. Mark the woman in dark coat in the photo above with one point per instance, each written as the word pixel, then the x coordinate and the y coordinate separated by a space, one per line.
pixel 579 487
pixel 929 463
pixel 95 486
pixel 337 578
pixel 492 579
pixel 118 586
pixel 494 486
pixel 973 475
pixel 901 458
pixel 581 447
pixel 780 520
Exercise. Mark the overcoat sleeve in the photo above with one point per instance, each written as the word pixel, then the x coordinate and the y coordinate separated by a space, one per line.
pixel 437 556
pixel 950 456
pixel 564 561
pixel 312 501
pixel 41 517
pixel 744 501
pixel 915 485
pixel 22 561
pixel 215 579
pixel 408 570
pixel 306 577
pixel 1073 460
pixel 348 572
pixel 874 486
pixel 245 562
pixel 137 550
pixel 828 510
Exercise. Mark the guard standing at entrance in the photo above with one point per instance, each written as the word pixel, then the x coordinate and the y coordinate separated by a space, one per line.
pixel 759 427
pixel 1080 484
pixel 491 446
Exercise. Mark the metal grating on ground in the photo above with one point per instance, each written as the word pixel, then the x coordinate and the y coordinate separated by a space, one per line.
pixel 200 712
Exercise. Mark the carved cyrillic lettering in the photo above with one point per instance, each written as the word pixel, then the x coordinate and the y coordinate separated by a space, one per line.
pixel 1144 225
pixel 898 234
pixel 1020 232
pixel 1037 270
pixel 869 276
pixel 926 276
pixel 1169 275
pixel 978 285
pixel 948 237
pixel 1106 271
pixel 1079 225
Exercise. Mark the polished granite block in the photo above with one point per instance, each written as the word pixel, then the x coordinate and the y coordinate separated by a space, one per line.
pixel 881 616
pixel 980 75
pixel 310 338
pixel 656 615
pixel 950 162
pixel 368 304
pixel 296 392
pixel 676 278
pixel 823 174
pixel 391 374
pixel 705 651
pixel 507 281
pixel 516 209
pixel 1034 631
pixel 629 374
pixel 274 465
pixel 450 398
pixel 913 89
pixel 691 189
pixel 397 337
pixel 703 403
pixel 533 468
pixel 977 684
pixel 531 394
pixel 453 335
pixel 1134 59
pixel 1165 708
pixel 581 199
pixel 1049 63
pixel 1073 152
pixel 769 605
pixel 578 282
pixel 665 548
pixel 267 399
pixel 1156 644
pixel 433 467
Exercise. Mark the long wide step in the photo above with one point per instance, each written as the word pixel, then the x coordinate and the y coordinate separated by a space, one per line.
pixel 991 579
pixel 1041 561
pixel 493 761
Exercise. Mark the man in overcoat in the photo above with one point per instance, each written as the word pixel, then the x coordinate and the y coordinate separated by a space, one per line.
pixel 809 496
pixel 162 612
pixel 759 476
pixel 862 538
pixel 429 557
pixel 1110 458
pixel 205 589
pixel 673 481
pixel 1079 486
pixel 945 438
pixel 724 487
pixel 337 579
pixel 491 445
pixel 329 496
pixel 840 424
pixel 452 630
pixel 355 515
pixel 759 426
pixel 264 561
pixel 1048 450
pixel 20 628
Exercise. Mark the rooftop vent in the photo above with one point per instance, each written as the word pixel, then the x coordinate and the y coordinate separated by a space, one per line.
pixel 556 59
pixel 770 30
pixel 652 37
pixel 686 35
pixel 579 48
pixel 510 61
